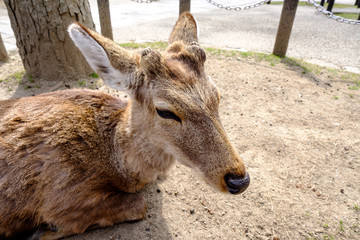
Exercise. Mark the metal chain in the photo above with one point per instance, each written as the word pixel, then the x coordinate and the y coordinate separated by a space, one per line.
pixel 145 1
pixel 331 15
pixel 237 8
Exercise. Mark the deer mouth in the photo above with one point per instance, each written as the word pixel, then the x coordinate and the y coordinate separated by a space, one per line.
pixel 237 184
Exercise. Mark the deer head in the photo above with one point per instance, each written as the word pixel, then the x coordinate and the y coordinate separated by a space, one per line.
pixel 173 100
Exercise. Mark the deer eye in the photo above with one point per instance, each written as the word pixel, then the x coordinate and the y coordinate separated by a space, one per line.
pixel 168 115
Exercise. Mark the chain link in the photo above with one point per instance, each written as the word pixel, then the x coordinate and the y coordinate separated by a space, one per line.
pixel 329 14
pixel 144 1
pixel 238 8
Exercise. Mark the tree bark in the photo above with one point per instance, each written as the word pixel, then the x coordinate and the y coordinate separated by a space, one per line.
pixel 105 19
pixel 285 25
pixel 40 28
pixel 184 6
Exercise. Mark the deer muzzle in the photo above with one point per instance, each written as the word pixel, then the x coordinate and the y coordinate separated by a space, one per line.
pixel 237 184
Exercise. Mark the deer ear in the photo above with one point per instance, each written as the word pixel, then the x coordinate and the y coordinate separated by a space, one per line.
pixel 185 29
pixel 115 65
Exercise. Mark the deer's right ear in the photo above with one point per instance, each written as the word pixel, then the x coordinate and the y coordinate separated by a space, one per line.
pixel 115 65
pixel 185 29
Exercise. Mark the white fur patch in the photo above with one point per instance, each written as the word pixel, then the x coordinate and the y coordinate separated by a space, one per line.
pixel 197 28
pixel 97 58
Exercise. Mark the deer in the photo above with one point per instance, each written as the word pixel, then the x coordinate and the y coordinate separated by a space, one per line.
pixel 76 159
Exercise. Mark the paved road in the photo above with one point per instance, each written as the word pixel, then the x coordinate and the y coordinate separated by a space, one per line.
pixel 314 37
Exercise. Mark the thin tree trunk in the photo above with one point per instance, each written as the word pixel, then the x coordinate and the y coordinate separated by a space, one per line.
pixel 105 19
pixel 40 28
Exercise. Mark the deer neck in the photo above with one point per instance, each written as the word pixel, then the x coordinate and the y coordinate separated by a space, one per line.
pixel 137 156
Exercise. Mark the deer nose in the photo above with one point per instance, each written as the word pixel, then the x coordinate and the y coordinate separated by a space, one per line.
pixel 237 184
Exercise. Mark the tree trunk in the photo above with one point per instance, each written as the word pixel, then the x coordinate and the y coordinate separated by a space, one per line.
pixel 40 28
pixel 105 19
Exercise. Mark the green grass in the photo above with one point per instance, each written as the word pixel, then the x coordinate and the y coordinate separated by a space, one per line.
pixel 154 45
pixel 328 237
pixel 15 77
pixel 82 83
pixel 336 5
pixel 30 78
pixel 356 207
pixel 281 3
pixel 272 59
pixel 356 86
pixel 341 226
pixel 348 15
pixel 305 3
pixel 18 76
pixel 94 75
pixel 304 66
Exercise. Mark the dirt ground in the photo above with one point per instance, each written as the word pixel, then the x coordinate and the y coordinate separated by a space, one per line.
pixel 298 132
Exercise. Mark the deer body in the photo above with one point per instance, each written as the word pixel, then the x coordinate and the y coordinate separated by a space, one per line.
pixel 74 159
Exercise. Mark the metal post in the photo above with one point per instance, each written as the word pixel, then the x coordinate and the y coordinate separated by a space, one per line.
pixel 105 20
pixel 184 6
pixel 3 53
pixel 284 30
pixel 331 5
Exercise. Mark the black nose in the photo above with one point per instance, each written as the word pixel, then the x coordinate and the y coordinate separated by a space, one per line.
pixel 237 184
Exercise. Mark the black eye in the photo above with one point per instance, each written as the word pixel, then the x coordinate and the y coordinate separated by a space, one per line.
pixel 168 115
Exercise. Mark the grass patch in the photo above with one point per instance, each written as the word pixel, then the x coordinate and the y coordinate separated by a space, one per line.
pixel 356 86
pixel 336 5
pixel 15 77
pixel 82 83
pixel 154 45
pixel 304 66
pixel 348 15
pixel 353 88
pixel 94 75
pixel 341 226
pixel 339 5
pixel 18 76
pixel 300 3
pixel 328 237
pixel 30 78
pixel 356 207
pixel 272 59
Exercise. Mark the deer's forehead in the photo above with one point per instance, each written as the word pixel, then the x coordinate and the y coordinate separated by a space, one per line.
pixel 195 95
pixel 180 73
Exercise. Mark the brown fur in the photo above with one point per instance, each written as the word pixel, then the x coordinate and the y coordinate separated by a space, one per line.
pixel 185 29
pixel 74 159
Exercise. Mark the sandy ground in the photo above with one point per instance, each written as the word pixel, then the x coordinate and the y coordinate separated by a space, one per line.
pixel 298 134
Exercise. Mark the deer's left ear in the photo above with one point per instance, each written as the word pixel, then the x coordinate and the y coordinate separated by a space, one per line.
pixel 185 29
pixel 115 65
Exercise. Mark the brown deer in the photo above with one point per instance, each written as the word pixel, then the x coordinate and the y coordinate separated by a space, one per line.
pixel 73 160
